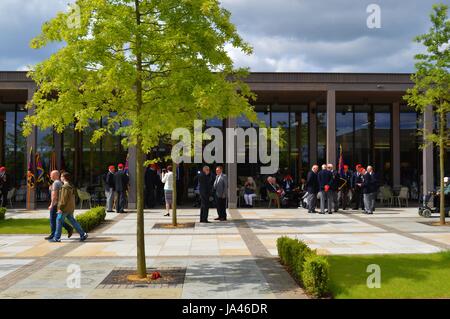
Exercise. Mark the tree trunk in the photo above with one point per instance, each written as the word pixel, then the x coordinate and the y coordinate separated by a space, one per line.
pixel 442 128
pixel 140 238
pixel 174 196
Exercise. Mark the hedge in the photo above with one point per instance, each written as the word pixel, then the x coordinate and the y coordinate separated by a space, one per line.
pixel 92 218
pixel 2 213
pixel 308 269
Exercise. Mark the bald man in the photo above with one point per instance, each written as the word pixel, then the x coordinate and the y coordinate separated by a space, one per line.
pixel 54 196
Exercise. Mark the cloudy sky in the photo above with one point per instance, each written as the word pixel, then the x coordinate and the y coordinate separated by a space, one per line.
pixel 287 35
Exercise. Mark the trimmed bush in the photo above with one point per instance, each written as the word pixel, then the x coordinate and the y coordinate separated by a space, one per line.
pixel 315 275
pixel 2 213
pixel 92 218
pixel 307 268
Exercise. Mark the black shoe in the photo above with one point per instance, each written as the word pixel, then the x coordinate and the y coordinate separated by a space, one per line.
pixel 167 215
pixel 123 212
pixel 205 222
pixel 69 232
pixel 323 213
pixel 218 218
pixel 84 237
pixel 329 213
pixel 48 238
pixel 110 211
pixel 223 219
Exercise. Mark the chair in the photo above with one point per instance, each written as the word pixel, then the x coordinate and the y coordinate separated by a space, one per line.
pixel 10 196
pixel 402 196
pixel 386 195
pixel 84 196
pixel 273 197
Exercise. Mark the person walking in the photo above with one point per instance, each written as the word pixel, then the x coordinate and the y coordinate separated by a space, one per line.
pixel 325 179
pixel 205 185
pixel 109 188
pixel 167 180
pixel 66 208
pixel 4 186
pixel 55 189
pixel 221 187
pixel 312 187
pixel 121 181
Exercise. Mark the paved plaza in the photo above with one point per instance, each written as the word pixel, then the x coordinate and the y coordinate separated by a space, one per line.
pixel 233 259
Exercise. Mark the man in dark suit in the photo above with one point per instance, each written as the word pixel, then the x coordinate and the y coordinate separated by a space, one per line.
pixel 367 189
pixel 205 183
pixel 312 187
pixel 357 196
pixel 121 181
pixel 221 189
pixel 325 179
pixel 150 183
pixel 109 188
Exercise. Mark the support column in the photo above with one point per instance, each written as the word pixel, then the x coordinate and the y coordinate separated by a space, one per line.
pixel 132 198
pixel 58 149
pixel 427 153
pixel 31 202
pixel 231 164
pixel 396 144
pixel 312 133
pixel 331 127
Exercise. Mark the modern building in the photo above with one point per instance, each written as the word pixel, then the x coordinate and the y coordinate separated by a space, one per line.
pixel 318 112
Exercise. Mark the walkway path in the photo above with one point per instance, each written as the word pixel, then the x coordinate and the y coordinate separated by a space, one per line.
pixel 235 259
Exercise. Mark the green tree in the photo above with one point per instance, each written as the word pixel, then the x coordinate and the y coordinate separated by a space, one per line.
pixel 153 64
pixel 432 84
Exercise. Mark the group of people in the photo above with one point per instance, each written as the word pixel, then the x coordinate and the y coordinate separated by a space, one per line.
pixel 116 187
pixel 343 188
pixel 210 187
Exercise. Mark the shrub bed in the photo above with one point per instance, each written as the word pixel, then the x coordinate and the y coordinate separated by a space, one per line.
pixel 309 269
pixel 2 213
pixel 92 218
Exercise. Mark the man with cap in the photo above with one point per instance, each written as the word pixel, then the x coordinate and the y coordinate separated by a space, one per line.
pixel 109 188
pixel 4 186
pixel 121 181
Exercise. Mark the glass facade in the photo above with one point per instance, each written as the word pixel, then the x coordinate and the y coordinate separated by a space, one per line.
pixel 410 155
pixel 364 132
pixel 292 120
pixel 13 153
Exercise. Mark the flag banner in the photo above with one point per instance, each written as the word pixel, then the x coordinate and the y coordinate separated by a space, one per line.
pixel 126 165
pixel 341 161
pixel 30 173
pixel 39 169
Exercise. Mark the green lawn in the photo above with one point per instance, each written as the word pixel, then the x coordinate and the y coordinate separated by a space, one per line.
pixel 25 226
pixel 402 276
